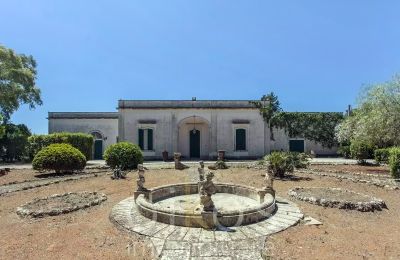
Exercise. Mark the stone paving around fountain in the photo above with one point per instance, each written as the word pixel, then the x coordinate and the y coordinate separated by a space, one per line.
pixel 176 242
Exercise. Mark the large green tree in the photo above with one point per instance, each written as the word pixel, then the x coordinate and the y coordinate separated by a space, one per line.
pixel 269 107
pixel 377 117
pixel 17 82
pixel 13 142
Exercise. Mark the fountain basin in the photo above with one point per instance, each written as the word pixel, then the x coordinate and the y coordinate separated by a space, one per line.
pixel 179 204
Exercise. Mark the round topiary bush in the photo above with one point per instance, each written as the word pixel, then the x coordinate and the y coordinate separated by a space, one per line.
pixel 60 158
pixel 123 155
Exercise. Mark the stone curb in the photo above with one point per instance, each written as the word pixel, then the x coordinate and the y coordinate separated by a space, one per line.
pixel 23 211
pixel 373 204
pixel 386 183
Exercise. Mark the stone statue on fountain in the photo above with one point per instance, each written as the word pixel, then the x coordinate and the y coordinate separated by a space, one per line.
pixel 268 186
pixel 140 181
pixel 207 189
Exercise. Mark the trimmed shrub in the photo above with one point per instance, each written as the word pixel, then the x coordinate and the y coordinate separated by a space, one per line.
pixel 382 155
pixel 82 142
pixel 361 151
pixel 344 151
pixel 280 163
pixel 123 155
pixel 60 158
pixel 394 162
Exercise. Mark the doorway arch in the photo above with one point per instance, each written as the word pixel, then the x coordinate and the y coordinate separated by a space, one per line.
pixel 194 137
pixel 97 145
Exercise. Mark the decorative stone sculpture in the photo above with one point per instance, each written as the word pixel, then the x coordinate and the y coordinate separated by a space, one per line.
pixel 178 164
pixel 118 173
pixel 141 180
pixel 268 186
pixel 269 181
pixel 206 191
pixel 201 171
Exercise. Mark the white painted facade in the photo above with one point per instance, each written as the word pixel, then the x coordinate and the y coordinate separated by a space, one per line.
pixel 173 121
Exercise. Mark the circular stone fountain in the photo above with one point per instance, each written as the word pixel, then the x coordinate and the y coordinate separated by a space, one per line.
pixel 179 204
pixel 205 219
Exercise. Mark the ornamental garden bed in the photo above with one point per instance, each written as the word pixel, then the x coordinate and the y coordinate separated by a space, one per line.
pixel 60 204
pixel 337 198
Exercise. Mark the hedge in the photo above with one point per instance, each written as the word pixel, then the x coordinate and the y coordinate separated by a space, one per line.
pixel 361 151
pixel 382 155
pixel 60 158
pixel 394 162
pixel 82 142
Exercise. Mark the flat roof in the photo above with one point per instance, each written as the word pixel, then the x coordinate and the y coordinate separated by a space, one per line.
pixel 157 104
pixel 82 115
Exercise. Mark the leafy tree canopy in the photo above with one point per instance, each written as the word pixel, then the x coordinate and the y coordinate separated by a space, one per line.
pixel 17 82
pixel 13 142
pixel 318 127
pixel 377 117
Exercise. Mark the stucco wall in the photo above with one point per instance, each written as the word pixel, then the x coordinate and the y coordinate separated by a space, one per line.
pixel 171 130
pixel 106 126
pixel 282 143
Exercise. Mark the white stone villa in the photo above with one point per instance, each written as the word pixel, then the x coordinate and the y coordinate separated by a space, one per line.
pixel 196 129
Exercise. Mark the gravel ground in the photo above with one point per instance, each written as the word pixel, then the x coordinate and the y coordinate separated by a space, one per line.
pixel 88 234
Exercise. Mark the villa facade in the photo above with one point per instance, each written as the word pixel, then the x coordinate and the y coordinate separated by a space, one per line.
pixel 196 129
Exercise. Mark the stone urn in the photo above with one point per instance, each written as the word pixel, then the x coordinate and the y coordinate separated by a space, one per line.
pixel 165 155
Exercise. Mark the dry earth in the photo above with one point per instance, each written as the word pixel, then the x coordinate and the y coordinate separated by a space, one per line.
pixel 88 234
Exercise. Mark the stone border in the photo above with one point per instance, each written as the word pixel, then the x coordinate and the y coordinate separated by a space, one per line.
pixel 31 184
pixel 24 212
pixel 387 183
pixel 372 205
pixel 176 242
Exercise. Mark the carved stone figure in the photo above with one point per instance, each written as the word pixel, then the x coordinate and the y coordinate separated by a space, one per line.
pixel 178 164
pixel 141 180
pixel 206 191
pixel 201 171
pixel 269 181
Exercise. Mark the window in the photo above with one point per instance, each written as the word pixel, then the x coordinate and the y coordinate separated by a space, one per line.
pixel 146 139
pixel 240 142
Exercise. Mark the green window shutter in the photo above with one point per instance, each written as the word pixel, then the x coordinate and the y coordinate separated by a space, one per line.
pixel 150 139
pixel 240 140
pixel 141 139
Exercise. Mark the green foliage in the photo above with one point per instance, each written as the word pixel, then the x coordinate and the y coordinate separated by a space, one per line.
pixel 344 151
pixel 361 151
pixel 17 82
pixel 280 163
pixel 13 142
pixel 123 155
pixel 318 127
pixel 377 117
pixel 394 162
pixel 2 127
pixel 382 155
pixel 83 142
pixel 269 106
pixel 60 158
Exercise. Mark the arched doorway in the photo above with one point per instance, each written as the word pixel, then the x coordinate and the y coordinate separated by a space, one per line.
pixel 194 137
pixel 98 145
pixel 194 143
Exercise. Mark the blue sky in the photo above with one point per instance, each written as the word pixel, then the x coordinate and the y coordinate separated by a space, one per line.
pixel 315 55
